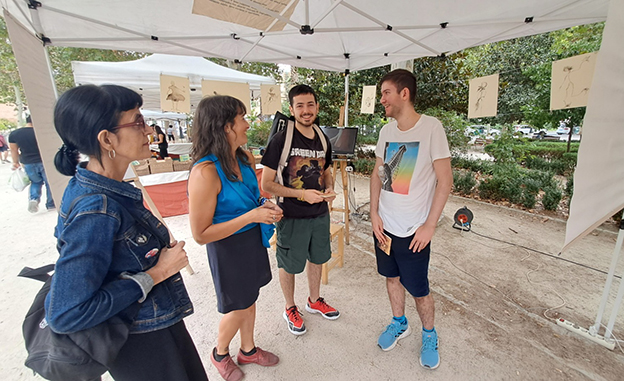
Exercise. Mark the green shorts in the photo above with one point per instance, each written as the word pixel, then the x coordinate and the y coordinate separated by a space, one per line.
pixel 300 240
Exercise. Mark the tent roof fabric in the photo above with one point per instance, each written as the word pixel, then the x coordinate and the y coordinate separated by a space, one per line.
pixel 348 34
pixel 143 75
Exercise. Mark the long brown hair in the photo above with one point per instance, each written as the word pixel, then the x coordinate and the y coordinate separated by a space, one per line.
pixel 208 134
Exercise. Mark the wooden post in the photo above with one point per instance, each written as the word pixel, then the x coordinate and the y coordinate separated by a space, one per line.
pixel 341 165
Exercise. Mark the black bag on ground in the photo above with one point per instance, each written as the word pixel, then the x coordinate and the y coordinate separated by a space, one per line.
pixel 78 356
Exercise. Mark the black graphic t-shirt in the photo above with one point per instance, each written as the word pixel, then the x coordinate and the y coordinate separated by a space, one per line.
pixel 304 170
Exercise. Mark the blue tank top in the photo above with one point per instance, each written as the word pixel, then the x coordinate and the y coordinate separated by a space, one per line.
pixel 236 197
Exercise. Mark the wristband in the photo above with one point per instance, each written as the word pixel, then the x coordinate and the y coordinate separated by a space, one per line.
pixel 262 201
pixel 302 198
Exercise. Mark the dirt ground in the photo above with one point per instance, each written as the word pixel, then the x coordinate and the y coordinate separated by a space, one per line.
pixel 495 302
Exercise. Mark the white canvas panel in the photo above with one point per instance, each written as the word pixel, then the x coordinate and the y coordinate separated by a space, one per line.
pixel 34 69
pixel 483 96
pixel 368 99
pixel 233 89
pixel 270 99
pixel 598 179
pixel 175 95
pixel 571 81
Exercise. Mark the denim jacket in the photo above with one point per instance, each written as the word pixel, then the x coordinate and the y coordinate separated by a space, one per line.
pixel 104 251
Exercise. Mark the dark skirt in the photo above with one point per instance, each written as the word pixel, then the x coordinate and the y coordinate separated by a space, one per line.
pixel 240 267
pixel 164 355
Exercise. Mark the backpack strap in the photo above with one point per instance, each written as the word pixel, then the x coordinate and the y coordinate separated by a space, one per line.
pixel 40 273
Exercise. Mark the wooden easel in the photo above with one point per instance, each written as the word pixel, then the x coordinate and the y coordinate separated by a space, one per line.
pixel 341 164
pixel 153 208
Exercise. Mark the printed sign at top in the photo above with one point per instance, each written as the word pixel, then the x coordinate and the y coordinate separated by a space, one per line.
pixel 258 17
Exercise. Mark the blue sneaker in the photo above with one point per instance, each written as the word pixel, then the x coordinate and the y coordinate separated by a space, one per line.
pixel 393 333
pixel 429 356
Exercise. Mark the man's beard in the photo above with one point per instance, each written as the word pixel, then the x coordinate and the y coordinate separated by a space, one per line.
pixel 305 124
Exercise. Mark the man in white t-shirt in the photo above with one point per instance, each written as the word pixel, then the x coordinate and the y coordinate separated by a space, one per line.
pixel 410 184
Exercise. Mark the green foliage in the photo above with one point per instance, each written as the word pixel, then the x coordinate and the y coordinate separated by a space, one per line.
pixel 258 133
pixel 454 126
pixel 569 187
pixel 481 166
pixel 506 149
pixel 552 197
pixel 364 166
pixel 6 124
pixel 464 182
pixel 441 83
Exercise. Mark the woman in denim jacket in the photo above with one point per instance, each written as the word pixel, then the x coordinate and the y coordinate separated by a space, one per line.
pixel 226 213
pixel 113 252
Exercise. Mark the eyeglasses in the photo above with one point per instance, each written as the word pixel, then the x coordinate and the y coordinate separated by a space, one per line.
pixel 140 122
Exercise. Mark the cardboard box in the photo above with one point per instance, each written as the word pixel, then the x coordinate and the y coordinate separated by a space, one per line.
pixel 182 165
pixel 160 166
pixel 142 168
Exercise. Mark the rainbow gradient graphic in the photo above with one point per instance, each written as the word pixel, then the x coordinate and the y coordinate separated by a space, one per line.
pixel 405 169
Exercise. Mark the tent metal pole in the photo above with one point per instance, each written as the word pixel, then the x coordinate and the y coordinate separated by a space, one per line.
pixel 346 107
pixel 593 330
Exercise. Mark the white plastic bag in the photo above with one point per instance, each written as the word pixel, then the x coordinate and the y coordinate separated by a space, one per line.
pixel 19 180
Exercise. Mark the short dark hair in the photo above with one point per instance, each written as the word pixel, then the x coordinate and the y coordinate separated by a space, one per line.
pixel 28 119
pixel 212 115
pixel 402 79
pixel 299 90
pixel 81 114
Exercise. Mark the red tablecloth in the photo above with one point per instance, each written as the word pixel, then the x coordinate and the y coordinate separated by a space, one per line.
pixel 169 191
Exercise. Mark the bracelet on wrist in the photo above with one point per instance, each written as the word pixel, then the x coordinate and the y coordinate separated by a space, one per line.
pixel 262 201
pixel 302 198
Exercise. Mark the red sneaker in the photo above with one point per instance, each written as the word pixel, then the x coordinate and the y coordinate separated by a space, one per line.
pixel 227 368
pixel 321 307
pixel 295 321
pixel 261 357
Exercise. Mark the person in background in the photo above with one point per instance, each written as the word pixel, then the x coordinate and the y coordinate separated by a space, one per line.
pixel 159 138
pixel 409 186
pixel 170 134
pixel 24 150
pixel 228 216
pixel 4 150
pixel 114 254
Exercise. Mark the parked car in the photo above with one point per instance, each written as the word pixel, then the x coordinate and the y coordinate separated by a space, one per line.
pixel 563 130
pixel 545 135
pixel 478 129
pixel 525 129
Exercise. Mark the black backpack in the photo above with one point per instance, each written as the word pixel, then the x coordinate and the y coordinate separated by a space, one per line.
pixel 78 356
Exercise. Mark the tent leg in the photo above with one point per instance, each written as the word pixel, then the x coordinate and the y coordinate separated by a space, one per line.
pixel 593 330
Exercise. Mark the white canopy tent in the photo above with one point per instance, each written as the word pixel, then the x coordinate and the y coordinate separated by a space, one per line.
pixel 152 114
pixel 143 75
pixel 324 34
pixel 342 35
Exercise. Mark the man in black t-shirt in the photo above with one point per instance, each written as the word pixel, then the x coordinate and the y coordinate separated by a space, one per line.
pixel 303 234
pixel 24 150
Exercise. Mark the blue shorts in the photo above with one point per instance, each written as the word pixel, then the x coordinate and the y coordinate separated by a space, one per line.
pixel 411 268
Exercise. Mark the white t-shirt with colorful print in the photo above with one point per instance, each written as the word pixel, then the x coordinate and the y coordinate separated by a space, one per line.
pixel 408 177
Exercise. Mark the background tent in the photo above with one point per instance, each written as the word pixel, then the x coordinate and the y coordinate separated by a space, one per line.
pixel 143 75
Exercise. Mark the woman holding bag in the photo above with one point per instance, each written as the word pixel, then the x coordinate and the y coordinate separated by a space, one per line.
pixel 115 256
pixel 227 214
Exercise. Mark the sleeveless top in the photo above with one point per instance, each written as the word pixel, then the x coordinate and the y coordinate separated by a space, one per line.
pixel 237 197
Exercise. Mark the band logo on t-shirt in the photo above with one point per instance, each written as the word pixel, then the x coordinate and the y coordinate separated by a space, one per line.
pixel 399 163
pixel 306 172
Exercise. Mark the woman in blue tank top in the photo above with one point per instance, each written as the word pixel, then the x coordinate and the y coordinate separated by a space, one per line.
pixel 227 214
